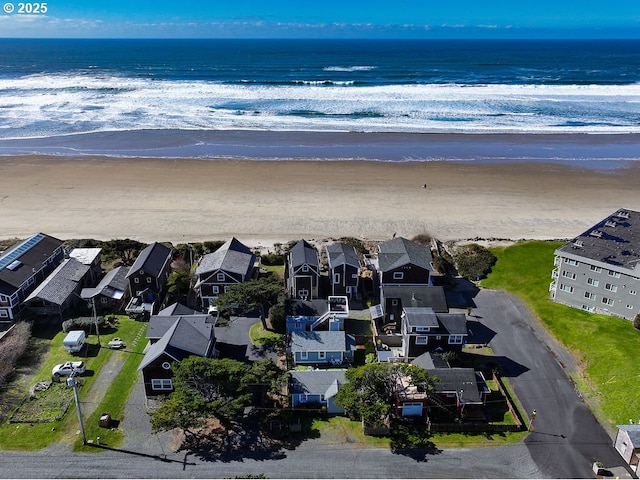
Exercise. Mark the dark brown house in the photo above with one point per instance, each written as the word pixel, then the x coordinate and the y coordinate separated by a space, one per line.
pixel 149 273
pixel 403 262
pixel 173 338
pixel 344 268
pixel 303 271
pixel 231 264
pixel 111 293
pixel 23 267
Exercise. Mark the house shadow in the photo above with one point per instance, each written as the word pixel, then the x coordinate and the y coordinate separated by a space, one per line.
pixel 234 352
pixel 461 293
pixel 510 368
pixel 479 333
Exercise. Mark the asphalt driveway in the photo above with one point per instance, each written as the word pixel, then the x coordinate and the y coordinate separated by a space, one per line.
pixel 566 437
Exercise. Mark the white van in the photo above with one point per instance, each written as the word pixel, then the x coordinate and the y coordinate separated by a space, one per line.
pixel 74 341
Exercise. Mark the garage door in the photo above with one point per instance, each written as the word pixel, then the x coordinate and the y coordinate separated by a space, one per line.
pixel 411 409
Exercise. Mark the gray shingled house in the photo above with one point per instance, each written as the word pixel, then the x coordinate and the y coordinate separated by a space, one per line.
pixel 231 264
pixel 599 270
pixel 403 262
pixel 60 291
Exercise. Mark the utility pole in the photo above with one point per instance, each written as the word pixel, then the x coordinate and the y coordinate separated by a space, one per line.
pixel 72 382
pixel 95 319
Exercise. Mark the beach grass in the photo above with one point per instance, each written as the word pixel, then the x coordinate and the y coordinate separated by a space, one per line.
pixel 605 348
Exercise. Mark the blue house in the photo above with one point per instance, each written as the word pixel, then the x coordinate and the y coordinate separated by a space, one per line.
pixel 316 387
pixel 322 347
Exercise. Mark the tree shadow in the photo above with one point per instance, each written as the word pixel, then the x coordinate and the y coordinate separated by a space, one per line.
pixel 255 437
pixel 412 440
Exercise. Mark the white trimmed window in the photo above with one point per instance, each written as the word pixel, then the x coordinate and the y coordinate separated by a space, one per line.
pixel 354 275
pixel 568 274
pixel 215 289
pixel 4 298
pixel 148 279
pixel 607 301
pixel 595 269
pixel 322 355
pixel 422 340
pixel 422 329
pixel 305 268
pixel 226 289
pixel 220 277
pixel 136 280
pixel 593 282
pixel 611 287
pixel 630 307
pixel 589 295
pixel 611 273
pixel 336 278
pixel 632 292
pixel 304 355
pixel 587 308
pixel 161 384
pixel 398 275
pixel 571 261
pixel 3 314
pixel 455 339
pixel 566 288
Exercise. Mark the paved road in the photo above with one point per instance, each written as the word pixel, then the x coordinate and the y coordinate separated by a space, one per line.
pixel 566 437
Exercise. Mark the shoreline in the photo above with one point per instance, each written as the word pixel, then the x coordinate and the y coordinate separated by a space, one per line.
pixel 189 200
pixel 582 149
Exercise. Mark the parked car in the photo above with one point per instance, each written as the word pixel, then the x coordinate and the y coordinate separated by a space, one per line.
pixel 115 343
pixel 67 368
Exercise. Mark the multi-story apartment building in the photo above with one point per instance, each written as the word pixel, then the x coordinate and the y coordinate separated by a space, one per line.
pixel 599 270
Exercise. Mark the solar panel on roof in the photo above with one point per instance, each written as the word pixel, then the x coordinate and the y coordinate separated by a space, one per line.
pixel 14 254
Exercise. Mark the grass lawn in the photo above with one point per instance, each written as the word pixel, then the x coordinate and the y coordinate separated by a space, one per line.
pixel 607 348
pixel 343 430
pixel 25 436
pixel 260 337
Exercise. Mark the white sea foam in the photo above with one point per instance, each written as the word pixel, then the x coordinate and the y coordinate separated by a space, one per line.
pixel 40 105
pixel 354 68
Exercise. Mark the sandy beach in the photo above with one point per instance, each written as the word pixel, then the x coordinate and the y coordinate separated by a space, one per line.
pixel 266 201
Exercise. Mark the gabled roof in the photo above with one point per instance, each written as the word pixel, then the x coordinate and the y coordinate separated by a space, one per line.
pixel 112 285
pixel 399 251
pixel 232 256
pixel 61 283
pixel 633 431
pixel 342 254
pixel 19 262
pixel 461 380
pixel 454 323
pixel 160 324
pixel 318 341
pixel 420 317
pixel 615 241
pixel 418 296
pixel 177 309
pixel 317 382
pixel 302 253
pixel 429 361
pixel 185 336
pixel 152 259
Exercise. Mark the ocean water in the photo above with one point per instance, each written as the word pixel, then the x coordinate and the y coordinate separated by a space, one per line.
pixel 73 93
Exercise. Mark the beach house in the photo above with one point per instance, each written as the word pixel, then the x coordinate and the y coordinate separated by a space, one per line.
pixel 23 267
pixel 599 270
pixel 302 268
pixel 231 264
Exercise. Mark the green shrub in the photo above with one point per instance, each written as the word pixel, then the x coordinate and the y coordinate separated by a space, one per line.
pixel 272 259
pixel 474 261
